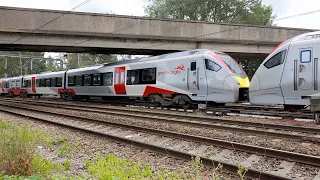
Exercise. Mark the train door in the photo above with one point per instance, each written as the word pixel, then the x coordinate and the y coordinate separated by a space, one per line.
pixel 119 80
pixel 304 72
pixel 196 81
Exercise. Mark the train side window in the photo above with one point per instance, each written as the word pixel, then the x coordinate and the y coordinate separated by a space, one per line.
pixel 193 66
pixel 42 82
pixel 25 83
pixel 87 80
pixel 29 83
pixel 132 77
pixel 148 76
pixel 212 66
pixel 37 82
pixel 71 80
pixel 305 56
pixel 107 79
pixel 276 60
pixel 53 82
pixel 116 78
pixel 7 84
pixel 59 82
pixel 97 79
pixel 48 82
pixel 78 81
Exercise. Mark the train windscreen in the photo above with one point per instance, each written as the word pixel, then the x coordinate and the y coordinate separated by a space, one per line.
pixel 233 65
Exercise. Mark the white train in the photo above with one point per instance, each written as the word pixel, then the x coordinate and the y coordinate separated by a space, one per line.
pixel 289 75
pixel 182 78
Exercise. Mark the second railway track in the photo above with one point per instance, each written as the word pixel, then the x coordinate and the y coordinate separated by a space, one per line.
pixel 91 124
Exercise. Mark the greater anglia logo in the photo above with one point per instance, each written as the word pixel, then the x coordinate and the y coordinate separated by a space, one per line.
pixel 174 72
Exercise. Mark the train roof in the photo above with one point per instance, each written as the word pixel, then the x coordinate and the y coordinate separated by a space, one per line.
pixel 306 36
pixel 85 69
pixel 164 56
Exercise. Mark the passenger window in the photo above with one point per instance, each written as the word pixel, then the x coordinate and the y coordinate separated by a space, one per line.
pixel 116 78
pixel 212 66
pixel 132 77
pixel 107 79
pixel 305 56
pixel 193 66
pixel 276 60
pixel 121 77
pixel 29 83
pixel 59 82
pixel 149 75
pixel 25 83
pixel 87 80
pixel 78 81
pixel 48 83
pixel 38 83
pixel 71 80
pixel 53 82
pixel 97 79
pixel 42 83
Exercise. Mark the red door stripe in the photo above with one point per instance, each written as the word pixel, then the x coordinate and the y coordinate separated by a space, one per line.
pixel 119 80
pixel 2 86
pixel 33 85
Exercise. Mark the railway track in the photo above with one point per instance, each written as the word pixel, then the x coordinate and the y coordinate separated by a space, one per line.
pixel 298 158
pixel 234 109
pixel 198 121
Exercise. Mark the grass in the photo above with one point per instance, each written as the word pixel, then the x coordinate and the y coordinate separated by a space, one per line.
pixel 19 160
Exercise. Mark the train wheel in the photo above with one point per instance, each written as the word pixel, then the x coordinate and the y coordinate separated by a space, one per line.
pixel 23 95
pixel 317 117
pixel 183 101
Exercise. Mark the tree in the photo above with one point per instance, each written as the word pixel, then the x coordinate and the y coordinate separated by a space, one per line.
pixel 13 66
pixel 220 11
pixel 88 60
pixel 223 11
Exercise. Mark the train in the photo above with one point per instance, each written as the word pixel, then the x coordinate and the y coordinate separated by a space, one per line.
pixel 177 79
pixel 289 75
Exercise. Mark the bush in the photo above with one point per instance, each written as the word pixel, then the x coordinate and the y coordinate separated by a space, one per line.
pixel 17 146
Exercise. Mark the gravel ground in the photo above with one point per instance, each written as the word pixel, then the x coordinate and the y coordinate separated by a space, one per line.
pixel 91 145
pixel 200 114
pixel 257 140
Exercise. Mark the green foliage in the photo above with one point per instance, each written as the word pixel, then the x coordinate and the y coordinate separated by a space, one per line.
pixel 65 150
pixel 111 168
pixel 197 167
pixel 67 165
pixel 226 11
pixel 241 171
pixel 13 68
pixel 88 59
pixel 250 66
pixel 215 168
pixel 44 167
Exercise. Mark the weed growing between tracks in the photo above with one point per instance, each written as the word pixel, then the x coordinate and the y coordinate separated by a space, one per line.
pixel 20 158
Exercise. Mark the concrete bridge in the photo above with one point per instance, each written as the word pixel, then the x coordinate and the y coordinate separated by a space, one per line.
pixel 28 30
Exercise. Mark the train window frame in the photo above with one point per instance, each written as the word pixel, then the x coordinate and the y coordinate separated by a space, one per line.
pixel 104 76
pixel 309 54
pixel 193 66
pixel 78 82
pixel 42 82
pixel 25 83
pixel 152 74
pixel 53 82
pixel 283 54
pixel 215 65
pixel 46 80
pixel 99 81
pixel 130 77
pixel 116 78
pixel 58 83
pixel 71 83
pixel 84 80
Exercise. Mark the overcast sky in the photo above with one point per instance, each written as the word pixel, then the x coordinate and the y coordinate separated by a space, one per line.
pixel 282 8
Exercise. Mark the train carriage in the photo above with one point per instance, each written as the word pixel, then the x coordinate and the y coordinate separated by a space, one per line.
pixel 178 78
pixel 4 83
pixel 289 75
pixel 14 86
pixel 49 83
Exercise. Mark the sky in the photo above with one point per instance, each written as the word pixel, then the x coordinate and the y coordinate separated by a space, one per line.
pixel 282 8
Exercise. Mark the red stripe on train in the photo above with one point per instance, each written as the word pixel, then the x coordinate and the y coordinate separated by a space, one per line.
pixel 33 84
pixel 154 90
